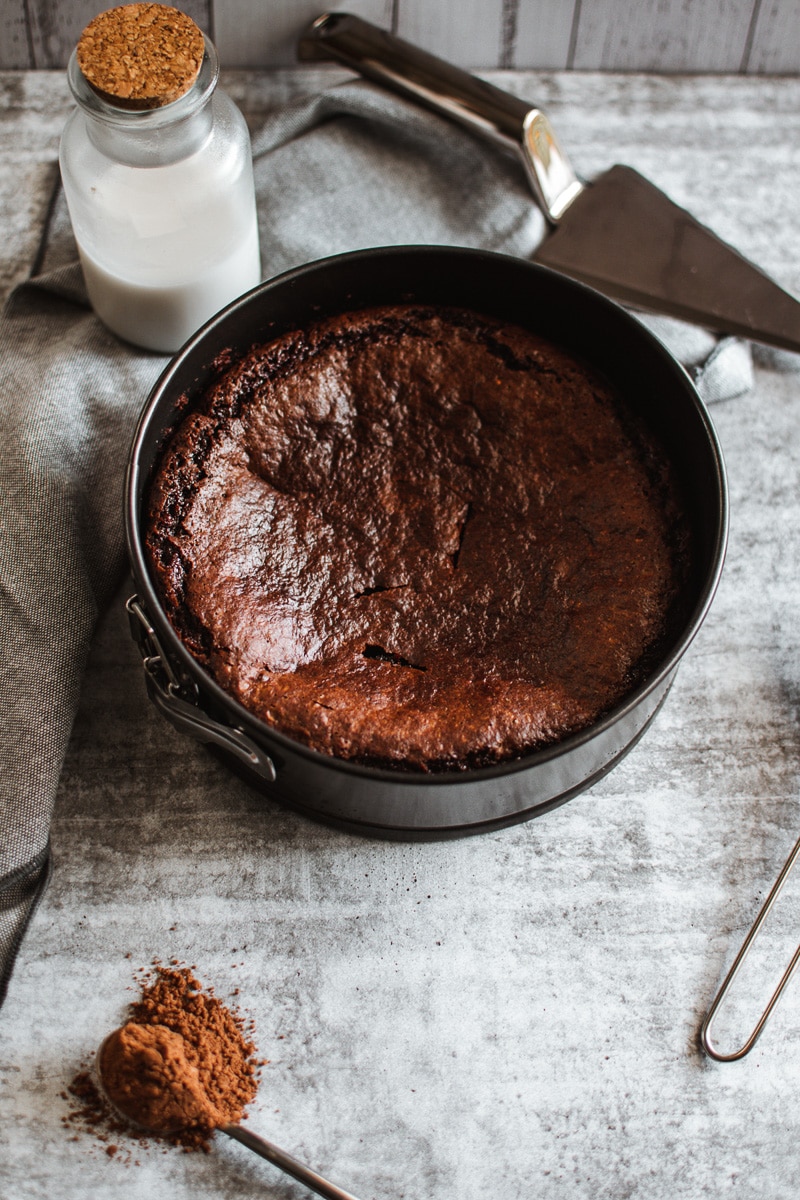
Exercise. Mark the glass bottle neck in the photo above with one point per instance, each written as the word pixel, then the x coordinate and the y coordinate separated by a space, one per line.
pixel 152 137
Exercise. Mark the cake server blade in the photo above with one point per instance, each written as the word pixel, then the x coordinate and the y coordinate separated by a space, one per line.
pixel 620 234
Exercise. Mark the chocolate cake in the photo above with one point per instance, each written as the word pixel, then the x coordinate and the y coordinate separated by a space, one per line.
pixel 417 537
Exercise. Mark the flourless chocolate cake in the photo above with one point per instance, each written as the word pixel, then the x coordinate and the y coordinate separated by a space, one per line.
pixel 417 537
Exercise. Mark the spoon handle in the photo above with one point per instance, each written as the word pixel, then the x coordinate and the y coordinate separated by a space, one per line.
pixel 279 1158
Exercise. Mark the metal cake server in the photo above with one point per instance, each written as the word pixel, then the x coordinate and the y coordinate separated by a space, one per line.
pixel 619 233
pixel 706 1037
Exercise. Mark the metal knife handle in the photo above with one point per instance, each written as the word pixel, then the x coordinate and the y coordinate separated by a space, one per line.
pixel 482 107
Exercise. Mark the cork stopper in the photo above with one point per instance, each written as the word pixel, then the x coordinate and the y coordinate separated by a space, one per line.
pixel 141 56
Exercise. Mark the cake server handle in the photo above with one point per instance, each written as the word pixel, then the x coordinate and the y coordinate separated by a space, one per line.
pixel 285 1162
pixel 705 1032
pixel 438 85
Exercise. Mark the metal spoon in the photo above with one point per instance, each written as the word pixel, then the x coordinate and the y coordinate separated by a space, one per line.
pixel 268 1150
pixel 285 1162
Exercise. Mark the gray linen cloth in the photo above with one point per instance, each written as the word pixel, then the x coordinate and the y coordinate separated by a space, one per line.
pixel 349 168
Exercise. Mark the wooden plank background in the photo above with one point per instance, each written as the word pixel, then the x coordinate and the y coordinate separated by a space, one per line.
pixel 733 36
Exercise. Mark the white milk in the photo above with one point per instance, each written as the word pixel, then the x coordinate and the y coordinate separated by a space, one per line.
pixel 162 313
pixel 163 208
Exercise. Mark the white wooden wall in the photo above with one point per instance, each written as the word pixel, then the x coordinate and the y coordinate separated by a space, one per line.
pixel 751 36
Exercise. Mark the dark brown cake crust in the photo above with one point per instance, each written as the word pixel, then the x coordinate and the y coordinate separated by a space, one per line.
pixel 417 537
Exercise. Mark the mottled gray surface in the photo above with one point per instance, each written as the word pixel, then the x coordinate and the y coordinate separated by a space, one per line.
pixel 513 1015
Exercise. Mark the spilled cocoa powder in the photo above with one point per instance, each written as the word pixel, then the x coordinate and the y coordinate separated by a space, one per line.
pixel 182 1064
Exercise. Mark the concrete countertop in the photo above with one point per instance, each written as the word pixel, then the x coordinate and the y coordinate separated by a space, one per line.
pixel 512 1015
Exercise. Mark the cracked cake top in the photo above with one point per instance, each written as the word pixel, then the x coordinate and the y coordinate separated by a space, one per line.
pixel 417 537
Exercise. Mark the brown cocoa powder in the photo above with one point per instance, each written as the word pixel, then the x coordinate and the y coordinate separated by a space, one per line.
pixel 183 1064
pixel 216 1041
pixel 146 1075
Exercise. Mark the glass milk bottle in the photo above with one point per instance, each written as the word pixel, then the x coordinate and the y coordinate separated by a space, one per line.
pixel 158 177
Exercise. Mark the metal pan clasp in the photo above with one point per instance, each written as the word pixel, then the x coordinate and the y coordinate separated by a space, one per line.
pixel 178 701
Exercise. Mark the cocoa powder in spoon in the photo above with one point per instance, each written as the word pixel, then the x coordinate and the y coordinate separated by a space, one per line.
pixel 148 1078
pixel 182 1064
pixel 215 1041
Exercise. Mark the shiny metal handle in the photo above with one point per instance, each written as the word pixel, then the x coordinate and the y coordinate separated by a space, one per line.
pixel 279 1158
pixel 438 85
pixel 706 1040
